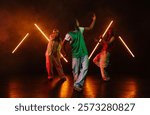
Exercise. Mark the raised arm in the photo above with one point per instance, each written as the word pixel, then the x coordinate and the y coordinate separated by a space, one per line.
pixel 64 42
pixel 111 40
pixel 92 23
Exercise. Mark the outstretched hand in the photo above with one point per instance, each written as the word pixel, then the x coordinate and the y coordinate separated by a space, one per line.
pixel 94 17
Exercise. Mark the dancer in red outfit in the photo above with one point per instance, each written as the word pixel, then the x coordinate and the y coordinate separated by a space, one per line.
pixel 102 59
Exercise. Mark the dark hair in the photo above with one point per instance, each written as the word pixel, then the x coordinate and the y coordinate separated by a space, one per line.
pixel 58 38
pixel 109 34
pixel 73 25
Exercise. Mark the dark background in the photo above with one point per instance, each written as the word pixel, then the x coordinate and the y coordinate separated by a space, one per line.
pixel 17 17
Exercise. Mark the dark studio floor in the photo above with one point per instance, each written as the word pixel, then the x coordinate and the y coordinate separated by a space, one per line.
pixel 37 86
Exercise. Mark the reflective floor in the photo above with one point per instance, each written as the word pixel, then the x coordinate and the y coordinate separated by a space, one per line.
pixel 37 86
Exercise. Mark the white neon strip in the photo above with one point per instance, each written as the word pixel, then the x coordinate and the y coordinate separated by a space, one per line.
pixel 20 42
pixel 95 48
pixel 63 57
pixel 101 39
pixel 41 31
pixel 107 28
pixel 126 46
pixel 48 40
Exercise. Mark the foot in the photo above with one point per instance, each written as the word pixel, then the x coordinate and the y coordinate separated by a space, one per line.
pixel 63 78
pixel 50 77
pixel 106 79
pixel 78 88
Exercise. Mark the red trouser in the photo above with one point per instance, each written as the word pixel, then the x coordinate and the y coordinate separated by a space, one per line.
pixel 102 61
pixel 51 61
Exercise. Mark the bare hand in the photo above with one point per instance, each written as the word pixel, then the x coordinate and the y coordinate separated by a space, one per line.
pixel 94 17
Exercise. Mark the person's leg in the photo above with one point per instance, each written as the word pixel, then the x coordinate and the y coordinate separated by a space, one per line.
pixel 49 66
pixel 58 66
pixel 104 64
pixel 75 68
pixel 83 71
pixel 96 60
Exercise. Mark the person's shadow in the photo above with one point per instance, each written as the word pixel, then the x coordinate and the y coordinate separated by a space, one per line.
pixel 55 90
pixel 77 94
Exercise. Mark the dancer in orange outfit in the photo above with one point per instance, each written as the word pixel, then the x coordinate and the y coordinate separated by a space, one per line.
pixel 53 55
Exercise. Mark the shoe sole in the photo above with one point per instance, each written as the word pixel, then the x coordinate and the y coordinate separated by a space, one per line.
pixel 78 89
